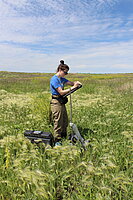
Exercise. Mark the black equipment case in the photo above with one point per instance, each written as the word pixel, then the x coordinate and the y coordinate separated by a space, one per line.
pixel 39 136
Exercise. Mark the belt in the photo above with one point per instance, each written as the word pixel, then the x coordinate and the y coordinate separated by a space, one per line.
pixel 55 96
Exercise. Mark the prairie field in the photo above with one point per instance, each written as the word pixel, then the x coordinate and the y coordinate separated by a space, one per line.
pixel 103 113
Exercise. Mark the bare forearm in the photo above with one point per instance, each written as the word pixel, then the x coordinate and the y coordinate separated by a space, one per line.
pixel 62 92
pixel 73 84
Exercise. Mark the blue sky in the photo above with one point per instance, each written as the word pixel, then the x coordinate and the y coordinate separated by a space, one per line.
pixel 92 36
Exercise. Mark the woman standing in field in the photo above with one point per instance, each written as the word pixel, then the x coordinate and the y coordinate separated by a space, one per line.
pixel 58 108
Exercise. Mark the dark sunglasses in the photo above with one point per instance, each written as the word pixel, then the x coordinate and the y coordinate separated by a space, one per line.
pixel 65 72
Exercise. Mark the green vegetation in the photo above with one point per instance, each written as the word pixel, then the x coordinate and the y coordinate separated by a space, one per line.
pixel 102 110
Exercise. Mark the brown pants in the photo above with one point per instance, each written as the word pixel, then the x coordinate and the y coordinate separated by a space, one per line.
pixel 60 119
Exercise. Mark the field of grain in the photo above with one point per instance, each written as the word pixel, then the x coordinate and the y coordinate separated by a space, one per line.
pixel 103 112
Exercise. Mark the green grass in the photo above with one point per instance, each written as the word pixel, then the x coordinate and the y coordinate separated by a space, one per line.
pixel 102 110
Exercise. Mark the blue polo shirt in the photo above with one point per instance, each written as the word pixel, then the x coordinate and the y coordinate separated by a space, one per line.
pixel 56 82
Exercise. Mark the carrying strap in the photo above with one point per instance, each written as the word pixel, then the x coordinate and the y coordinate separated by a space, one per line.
pixel 70 108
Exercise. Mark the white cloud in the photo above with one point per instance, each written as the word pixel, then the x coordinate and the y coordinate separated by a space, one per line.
pixel 38 33
pixel 111 58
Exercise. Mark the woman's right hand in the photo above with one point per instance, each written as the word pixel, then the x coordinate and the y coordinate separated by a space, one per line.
pixel 76 83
